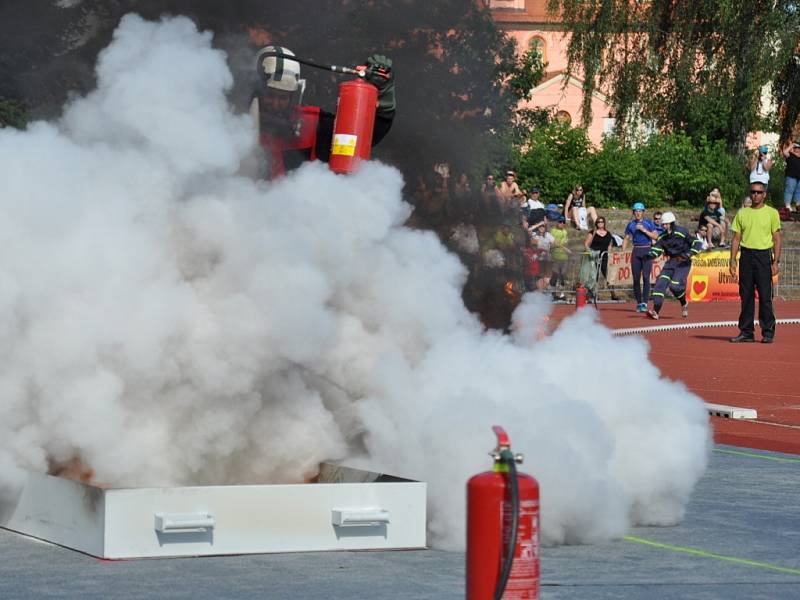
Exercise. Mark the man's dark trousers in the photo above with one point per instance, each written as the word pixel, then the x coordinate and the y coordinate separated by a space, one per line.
pixel 641 265
pixel 755 273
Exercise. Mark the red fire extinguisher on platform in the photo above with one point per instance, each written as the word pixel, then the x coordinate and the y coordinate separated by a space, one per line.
pixel 352 129
pixel 503 529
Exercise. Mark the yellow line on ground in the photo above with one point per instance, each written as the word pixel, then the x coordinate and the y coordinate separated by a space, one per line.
pixel 714 555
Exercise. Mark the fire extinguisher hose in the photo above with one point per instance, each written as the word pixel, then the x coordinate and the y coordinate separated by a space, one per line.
pixel 317 65
pixel 507 457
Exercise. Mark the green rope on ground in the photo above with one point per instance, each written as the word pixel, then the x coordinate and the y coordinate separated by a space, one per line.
pixel 754 455
pixel 714 555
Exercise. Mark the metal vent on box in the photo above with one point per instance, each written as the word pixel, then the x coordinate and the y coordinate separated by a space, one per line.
pixel 345 509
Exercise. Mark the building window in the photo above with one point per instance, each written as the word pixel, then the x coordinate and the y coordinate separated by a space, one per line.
pixel 563 116
pixel 609 123
pixel 507 4
pixel 539 44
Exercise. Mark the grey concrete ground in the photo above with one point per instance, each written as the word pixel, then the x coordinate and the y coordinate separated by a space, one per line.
pixel 740 540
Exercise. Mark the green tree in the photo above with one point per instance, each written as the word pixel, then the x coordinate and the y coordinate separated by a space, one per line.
pixel 12 113
pixel 667 169
pixel 528 71
pixel 551 158
pixel 786 90
pixel 693 65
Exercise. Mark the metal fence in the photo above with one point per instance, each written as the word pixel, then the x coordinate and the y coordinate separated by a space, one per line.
pixel 788 287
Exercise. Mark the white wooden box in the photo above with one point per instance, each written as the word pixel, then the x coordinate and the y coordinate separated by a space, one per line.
pixel 348 509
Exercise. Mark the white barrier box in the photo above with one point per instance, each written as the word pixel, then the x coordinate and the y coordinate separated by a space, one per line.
pixel 347 509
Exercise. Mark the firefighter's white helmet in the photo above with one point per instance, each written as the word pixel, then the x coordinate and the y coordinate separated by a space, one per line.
pixel 277 70
pixel 667 217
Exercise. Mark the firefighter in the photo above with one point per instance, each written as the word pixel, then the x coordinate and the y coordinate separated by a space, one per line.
pixel 291 133
pixel 679 246
pixel 642 233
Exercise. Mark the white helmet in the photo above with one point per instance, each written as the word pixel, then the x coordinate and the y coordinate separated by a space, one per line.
pixel 279 73
pixel 667 217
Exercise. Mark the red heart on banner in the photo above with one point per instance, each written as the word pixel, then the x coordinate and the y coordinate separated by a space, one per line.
pixel 698 287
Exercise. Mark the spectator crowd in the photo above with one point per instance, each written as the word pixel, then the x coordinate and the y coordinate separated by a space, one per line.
pixel 530 235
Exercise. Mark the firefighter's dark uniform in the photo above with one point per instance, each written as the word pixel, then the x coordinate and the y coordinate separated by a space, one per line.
pixel 679 247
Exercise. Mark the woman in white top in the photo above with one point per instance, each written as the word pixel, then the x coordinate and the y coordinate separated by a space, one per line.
pixel 577 210
pixel 760 165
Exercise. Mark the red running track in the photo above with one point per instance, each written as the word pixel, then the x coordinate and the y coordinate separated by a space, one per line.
pixel 760 376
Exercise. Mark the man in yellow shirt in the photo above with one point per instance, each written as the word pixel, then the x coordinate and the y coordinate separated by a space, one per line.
pixel 758 231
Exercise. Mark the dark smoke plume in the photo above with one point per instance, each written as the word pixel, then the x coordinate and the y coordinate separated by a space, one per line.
pixel 448 56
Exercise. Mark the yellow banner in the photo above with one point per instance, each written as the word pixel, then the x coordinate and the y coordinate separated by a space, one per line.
pixel 709 278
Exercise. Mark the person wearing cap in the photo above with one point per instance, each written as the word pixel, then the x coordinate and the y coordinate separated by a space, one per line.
pixel 642 232
pixel 291 133
pixel 553 212
pixel 533 211
pixel 791 189
pixel 712 218
pixel 760 165
pixel 679 246
pixel 757 230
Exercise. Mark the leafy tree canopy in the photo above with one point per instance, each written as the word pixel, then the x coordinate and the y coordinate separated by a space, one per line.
pixel 691 65
pixel 12 113
pixel 667 169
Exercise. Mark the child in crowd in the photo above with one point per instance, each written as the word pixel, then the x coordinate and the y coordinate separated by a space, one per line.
pixel 543 242
pixel 560 255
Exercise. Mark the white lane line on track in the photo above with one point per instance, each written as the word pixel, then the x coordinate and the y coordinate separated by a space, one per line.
pixel 710 324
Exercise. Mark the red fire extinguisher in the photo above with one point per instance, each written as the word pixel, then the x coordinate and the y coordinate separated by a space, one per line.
pixel 503 529
pixel 352 129
pixel 580 296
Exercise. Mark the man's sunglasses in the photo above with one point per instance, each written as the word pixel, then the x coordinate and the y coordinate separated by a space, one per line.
pixel 757 192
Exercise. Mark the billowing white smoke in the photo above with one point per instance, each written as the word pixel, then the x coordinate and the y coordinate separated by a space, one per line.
pixel 169 321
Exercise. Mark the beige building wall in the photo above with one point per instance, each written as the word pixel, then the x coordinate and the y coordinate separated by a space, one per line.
pixel 527 22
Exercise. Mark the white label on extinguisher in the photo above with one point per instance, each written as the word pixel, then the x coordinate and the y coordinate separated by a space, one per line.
pixel 344 144
pixel 523 582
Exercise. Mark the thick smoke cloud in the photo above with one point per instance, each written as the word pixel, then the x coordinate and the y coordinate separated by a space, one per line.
pixel 169 321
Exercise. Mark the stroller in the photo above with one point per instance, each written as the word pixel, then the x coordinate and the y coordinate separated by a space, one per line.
pixel 590 270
